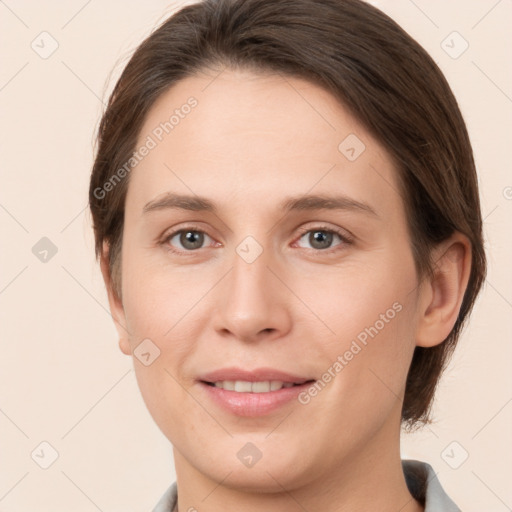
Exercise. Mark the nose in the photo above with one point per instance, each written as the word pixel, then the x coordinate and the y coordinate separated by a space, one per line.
pixel 253 304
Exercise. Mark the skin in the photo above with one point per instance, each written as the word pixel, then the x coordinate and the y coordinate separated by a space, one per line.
pixel 252 141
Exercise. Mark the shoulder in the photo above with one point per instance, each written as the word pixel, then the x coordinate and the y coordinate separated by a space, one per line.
pixel 168 500
pixel 424 485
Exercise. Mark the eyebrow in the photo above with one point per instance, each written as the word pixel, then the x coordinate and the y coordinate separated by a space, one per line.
pixel 182 202
pixel 299 203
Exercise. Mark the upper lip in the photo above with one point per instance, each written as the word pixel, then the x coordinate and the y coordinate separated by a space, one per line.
pixel 256 375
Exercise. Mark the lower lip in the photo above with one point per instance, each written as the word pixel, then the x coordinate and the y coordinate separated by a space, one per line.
pixel 252 404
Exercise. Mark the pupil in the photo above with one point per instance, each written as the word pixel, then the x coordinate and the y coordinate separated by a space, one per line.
pixel 320 239
pixel 192 239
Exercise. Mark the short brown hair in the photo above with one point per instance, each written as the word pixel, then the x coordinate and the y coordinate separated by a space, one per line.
pixel 373 67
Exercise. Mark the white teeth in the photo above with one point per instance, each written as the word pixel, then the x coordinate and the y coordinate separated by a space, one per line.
pixel 261 387
pixel 275 385
pixel 242 386
pixel 228 385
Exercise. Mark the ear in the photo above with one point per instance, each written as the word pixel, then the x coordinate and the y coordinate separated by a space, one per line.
pixel 441 295
pixel 115 302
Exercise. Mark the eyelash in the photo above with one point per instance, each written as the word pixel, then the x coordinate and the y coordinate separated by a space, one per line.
pixel 345 238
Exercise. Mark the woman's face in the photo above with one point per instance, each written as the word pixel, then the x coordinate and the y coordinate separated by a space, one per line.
pixel 265 246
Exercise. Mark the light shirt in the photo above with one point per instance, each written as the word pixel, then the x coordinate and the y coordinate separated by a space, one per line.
pixel 421 480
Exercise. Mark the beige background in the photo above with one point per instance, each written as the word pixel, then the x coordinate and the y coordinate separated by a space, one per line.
pixel 64 380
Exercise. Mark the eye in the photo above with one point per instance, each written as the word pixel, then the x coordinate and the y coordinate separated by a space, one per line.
pixel 322 238
pixel 190 239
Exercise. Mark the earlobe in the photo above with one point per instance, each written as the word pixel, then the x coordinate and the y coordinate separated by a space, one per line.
pixel 115 302
pixel 124 345
pixel 441 295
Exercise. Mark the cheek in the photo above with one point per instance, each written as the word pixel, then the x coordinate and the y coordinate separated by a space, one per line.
pixel 160 391
pixel 370 311
pixel 368 298
pixel 158 297
pixel 163 305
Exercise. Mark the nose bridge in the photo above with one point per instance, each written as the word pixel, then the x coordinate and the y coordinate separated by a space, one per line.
pixel 250 275
pixel 252 303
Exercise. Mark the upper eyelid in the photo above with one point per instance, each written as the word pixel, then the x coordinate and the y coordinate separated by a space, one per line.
pixel 303 230
pixel 168 233
pixel 338 230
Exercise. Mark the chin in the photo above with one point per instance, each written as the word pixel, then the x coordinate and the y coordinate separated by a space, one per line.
pixel 267 478
pixel 269 474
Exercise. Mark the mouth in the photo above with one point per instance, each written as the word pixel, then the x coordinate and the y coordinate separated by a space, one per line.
pixel 244 386
pixel 252 393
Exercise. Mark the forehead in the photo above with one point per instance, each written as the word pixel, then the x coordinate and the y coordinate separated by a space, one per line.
pixel 257 137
